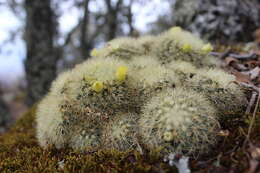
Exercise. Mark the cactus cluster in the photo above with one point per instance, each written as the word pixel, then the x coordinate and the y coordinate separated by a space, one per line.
pixel 145 92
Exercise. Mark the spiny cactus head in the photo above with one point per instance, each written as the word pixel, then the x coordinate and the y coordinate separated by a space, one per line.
pixel 48 120
pixel 85 98
pixel 184 70
pixel 84 141
pixel 181 120
pixel 110 84
pixel 121 132
pixel 148 43
pixel 58 84
pixel 102 70
pixel 151 74
pixel 177 44
pixel 185 39
pixel 176 29
pixel 146 61
pixel 220 88
pixel 219 76
pixel 122 48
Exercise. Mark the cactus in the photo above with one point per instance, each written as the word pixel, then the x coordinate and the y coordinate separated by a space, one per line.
pixel 220 88
pixel 122 48
pixel 177 44
pixel 146 91
pixel 151 74
pixel 83 101
pixel 184 70
pixel 147 43
pixel 90 95
pixel 121 132
pixel 180 120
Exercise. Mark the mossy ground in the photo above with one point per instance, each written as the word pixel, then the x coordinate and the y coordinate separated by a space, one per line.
pixel 20 152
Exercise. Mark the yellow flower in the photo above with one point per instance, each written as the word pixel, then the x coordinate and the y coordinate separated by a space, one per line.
pixel 94 52
pixel 207 48
pixel 168 136
pixel 121 73
pixel 186 47
pixel 115 48
pixel 97 86
pixel 176 29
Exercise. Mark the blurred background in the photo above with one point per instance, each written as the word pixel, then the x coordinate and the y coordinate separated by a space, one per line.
pixel 41 38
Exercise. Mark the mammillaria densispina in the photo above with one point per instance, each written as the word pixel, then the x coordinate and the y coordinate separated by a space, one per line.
pixel 159 91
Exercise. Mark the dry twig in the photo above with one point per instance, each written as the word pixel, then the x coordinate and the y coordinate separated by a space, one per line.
pixel 252 120
pixel 251 103
pixel 228 53
pixel 256 89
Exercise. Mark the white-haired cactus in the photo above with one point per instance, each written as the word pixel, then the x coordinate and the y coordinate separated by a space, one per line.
pixel 177 44
pixel 184 70
pixel 151 74
pixel 181 120
pixel 121 132
pixel 80 103
pixel 220 88
pixel 122 48
pixel 139 92
pixel 87 97
pixel 147 43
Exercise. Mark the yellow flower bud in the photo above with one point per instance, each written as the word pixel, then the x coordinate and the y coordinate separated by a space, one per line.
pixel 115 48
pixel 168 136
pixel 121 73
pixel 186 47
pixel 94 52
pixel 97 86
pixel 207 48
pixel 176 29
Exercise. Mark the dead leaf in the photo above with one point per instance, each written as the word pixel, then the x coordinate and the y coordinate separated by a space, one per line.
pixel 233 62
pixel 240 77
pixel 229 61
pixel 254 73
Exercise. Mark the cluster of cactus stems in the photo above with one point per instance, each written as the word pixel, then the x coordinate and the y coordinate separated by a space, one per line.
pixel 160 91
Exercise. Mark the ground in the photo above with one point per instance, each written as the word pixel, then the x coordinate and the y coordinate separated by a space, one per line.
pixel 20 152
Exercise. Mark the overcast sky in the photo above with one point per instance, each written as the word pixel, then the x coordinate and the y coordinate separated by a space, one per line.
pixel 12 54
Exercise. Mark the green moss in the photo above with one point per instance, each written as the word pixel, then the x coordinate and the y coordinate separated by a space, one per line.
pixel 20 152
